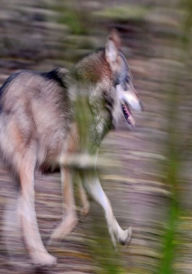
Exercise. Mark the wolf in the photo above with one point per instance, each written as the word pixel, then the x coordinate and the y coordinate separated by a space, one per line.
pixel 45 118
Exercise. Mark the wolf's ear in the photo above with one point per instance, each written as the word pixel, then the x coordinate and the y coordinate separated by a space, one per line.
pixel 112 46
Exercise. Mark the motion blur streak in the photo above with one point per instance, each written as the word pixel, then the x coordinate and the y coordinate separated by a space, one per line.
pixel 152 190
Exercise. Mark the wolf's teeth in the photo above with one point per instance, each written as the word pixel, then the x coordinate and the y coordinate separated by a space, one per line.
pixel 131 120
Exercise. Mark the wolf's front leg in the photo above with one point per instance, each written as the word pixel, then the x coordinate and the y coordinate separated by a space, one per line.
pixel 94 187
pixel 69 212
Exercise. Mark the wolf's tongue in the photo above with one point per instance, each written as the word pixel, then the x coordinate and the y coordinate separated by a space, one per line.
pixel 127 114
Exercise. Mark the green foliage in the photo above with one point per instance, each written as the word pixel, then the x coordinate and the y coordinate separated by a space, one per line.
pixel 124 12
pixel 73 19
pixel 84 119
pixel 187 24
pixel 69 15
pixel 107 257
pixel 174 160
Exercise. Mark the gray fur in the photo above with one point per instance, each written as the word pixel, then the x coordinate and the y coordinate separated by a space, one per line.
pixel 47 116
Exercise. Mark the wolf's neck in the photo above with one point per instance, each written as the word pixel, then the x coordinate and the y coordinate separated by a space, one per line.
pixel 93 68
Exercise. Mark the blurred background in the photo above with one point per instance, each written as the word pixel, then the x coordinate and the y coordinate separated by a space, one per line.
pixel 152 191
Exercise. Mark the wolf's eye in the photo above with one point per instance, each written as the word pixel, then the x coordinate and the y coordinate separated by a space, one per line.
pixel 116 82
pixel 127 78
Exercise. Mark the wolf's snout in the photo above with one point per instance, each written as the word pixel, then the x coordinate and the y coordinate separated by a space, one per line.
pixel 133 101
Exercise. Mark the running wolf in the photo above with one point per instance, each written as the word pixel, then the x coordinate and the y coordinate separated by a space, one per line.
pixel 47 117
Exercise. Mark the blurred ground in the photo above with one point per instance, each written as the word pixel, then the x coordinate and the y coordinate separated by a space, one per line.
pixel 41 35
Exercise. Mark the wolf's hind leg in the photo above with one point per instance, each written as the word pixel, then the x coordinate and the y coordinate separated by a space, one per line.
pixel 69 215
pixel 116 232
pixel 84 200
pixel 26 211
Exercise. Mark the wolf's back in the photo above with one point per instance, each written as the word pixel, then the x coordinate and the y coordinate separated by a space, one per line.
pixel 35 111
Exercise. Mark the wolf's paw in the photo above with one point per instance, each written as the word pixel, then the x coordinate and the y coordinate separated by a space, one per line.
pixel 84 210
pixel 125 237
pixel 43 259
pixel 66 226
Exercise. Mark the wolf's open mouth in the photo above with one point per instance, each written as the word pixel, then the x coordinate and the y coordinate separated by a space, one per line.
pixel 127 114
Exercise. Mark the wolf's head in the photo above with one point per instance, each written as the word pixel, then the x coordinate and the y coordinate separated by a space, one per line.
pixel 106 73
pixel 121 77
